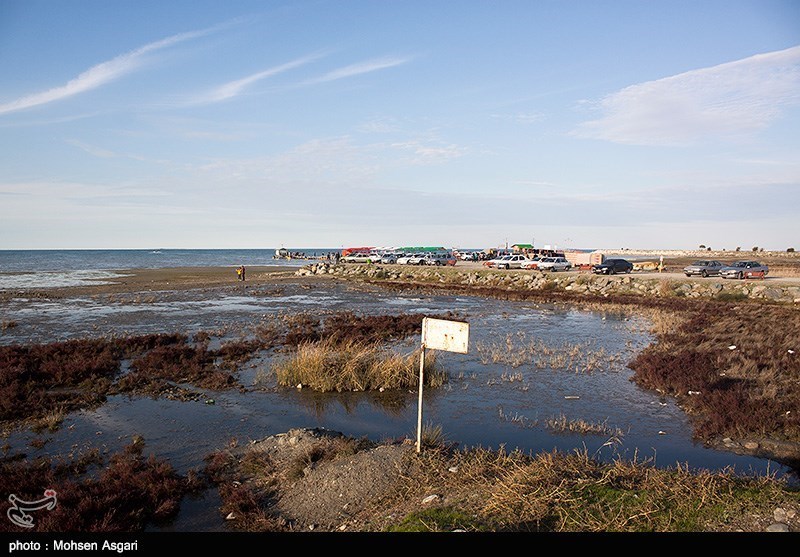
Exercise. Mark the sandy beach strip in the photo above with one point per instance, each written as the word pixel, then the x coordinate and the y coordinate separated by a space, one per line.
pixel 175 278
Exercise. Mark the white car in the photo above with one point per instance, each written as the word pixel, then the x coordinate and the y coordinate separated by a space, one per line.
pixel 510 262
pixel 553 264
pixel 412 259
pixel 360 258
pixel 531 263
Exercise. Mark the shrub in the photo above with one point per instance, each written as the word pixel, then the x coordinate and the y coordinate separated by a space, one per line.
pixel 675 373
pixel 666 288
pixel 128 493
pixel 731 296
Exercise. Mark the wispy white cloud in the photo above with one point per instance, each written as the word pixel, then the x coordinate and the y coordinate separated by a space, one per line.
pixel 521 117
pixel 100 74
pixel 380 125
pixel 427 153
pixel 726 100
pixel 237 87
pixel 535 183
pixel 92 150
pixel 328 161
pixel 360 68
pixel 77 190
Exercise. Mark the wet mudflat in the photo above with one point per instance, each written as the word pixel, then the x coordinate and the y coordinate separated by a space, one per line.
pixel 537 377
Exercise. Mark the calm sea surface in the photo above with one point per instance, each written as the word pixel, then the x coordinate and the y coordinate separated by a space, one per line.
pixel 17 261
pixel 55 268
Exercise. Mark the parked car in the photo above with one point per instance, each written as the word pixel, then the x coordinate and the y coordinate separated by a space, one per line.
pixel 494 261
pixel 743 269
pixel 360 258
pixel 554 264
pixel 390 257
pixel 612 267
pixel 531 263
pixel 703 268
pixel 498 257
pixel 413 259
pixel 439 259
pixel 510 262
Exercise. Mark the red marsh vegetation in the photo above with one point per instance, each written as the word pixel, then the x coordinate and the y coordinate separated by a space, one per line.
pixel 121 494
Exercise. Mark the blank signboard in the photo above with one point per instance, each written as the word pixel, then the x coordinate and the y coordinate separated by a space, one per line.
pixel 440 334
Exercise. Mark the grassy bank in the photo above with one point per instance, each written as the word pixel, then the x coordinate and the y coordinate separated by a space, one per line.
pixel 443 489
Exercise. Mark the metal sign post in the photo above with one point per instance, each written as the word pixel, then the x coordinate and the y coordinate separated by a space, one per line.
pixel 439 334
pixel 419 403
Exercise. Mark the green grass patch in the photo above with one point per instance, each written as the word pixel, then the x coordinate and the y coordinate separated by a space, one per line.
pixel 445 519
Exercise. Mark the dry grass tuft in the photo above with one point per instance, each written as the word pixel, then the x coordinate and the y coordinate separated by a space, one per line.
pixel 329 365
pixel 50 421
pixel 517 350
pixel 564 425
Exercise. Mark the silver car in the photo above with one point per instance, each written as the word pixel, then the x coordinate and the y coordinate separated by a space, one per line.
pixel 554 264
pixel 391 257
pixel 704 268
pixel 744 269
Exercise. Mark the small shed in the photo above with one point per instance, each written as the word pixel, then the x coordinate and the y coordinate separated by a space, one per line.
pixel 522 248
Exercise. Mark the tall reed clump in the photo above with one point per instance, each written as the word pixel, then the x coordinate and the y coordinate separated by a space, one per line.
pixel 328 366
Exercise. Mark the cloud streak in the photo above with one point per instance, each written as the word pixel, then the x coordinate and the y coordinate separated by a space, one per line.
pixel 730 99
pixel 237 87
pixel 101 74
pixel 360 68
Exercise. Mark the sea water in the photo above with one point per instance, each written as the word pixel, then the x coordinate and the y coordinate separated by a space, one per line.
pixel 57 268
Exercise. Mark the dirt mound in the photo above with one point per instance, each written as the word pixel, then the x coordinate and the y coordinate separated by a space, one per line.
pixel 322 479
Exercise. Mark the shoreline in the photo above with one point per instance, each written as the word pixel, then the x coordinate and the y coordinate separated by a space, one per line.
pixel 158 279
pixel 644 284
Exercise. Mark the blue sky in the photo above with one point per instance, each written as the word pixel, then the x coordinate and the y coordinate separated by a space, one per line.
pixel 257 124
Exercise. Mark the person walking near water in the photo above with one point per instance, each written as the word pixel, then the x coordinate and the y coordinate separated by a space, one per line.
pixel 239 273
pixel 243 273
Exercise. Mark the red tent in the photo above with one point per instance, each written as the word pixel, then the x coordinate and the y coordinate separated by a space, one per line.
pixel 348 251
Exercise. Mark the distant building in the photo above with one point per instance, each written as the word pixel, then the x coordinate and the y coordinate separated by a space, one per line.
pixel 529 251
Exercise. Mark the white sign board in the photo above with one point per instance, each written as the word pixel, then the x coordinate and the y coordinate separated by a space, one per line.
pixel 440 334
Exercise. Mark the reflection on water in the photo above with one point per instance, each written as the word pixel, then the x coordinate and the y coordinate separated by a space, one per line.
pixel 529 366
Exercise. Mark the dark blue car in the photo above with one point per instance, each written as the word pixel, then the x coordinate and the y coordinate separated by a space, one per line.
pixel 612 267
